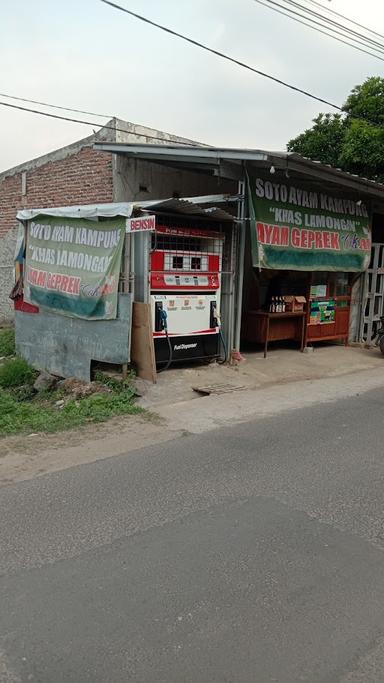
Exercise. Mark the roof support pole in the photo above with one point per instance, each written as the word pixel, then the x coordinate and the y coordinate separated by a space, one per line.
pixel 240 263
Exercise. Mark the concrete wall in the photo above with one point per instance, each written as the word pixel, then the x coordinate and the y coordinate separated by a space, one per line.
pixel 133 132
pixel 136 180
pixel 7 248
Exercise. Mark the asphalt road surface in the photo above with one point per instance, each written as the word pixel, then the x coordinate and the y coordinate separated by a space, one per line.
pixel 250 554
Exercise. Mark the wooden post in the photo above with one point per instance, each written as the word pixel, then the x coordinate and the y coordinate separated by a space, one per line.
pixel 142 347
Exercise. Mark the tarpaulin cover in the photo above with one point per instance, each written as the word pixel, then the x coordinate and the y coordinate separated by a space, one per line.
pixel 73 265
pixel 296 228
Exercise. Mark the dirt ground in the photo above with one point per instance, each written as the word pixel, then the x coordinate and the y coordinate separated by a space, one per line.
pixel 256 387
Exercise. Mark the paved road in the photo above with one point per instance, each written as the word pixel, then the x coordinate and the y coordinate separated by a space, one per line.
pixel 250 554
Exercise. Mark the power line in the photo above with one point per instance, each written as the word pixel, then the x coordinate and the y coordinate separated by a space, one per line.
pixel 54 106
pixel 221 54
pixel 288 13
pixel 342 16
pixel 92 123
pixel 331 23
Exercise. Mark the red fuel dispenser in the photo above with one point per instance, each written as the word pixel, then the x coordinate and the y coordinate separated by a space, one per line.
pixel 185 282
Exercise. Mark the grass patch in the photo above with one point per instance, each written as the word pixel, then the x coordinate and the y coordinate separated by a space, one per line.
pixel 117 385
pixel 22 411
pixel 7 342
pixel 42 415
pixel 15 372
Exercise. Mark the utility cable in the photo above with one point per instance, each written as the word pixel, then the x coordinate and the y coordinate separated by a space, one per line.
pixel 54 106
pixel 342 16
pixel 331 23
pixel 266 4
pixel 195 43
pixel 220 54
pixel 152 137
pixel 92 123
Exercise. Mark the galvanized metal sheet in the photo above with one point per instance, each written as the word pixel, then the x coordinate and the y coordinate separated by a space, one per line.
pixel 66 346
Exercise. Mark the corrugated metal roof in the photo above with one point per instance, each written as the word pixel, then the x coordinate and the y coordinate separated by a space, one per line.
pixel 214 157
pixel 188 207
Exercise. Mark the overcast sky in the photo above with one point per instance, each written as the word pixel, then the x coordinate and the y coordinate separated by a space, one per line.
pixel 84 54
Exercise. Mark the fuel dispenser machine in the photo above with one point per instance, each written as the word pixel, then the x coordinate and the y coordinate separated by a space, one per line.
pixel 185 284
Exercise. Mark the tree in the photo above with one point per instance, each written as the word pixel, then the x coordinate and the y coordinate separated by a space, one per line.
pixel 354 141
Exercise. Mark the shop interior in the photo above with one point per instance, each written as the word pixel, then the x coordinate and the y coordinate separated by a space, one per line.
pixel 285 306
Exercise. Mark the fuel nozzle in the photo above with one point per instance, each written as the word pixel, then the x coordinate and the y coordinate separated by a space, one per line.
pixel 163 319
pixel 215 315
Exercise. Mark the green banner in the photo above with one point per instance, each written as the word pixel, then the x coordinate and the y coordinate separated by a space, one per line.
pixel 73 265
pixel 293 228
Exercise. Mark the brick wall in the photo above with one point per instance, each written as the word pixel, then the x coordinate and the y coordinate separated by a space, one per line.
pixel 77 174
pixel 84 177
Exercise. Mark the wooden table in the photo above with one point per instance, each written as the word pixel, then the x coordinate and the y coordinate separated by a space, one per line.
pixel 262 327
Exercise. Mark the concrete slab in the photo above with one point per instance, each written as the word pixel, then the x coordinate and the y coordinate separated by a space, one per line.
pixel 281 366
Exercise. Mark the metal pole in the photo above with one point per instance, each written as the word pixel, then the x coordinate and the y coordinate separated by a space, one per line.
pixel 229 323
pixel 133 267
pixel 240 278
pixel 127 260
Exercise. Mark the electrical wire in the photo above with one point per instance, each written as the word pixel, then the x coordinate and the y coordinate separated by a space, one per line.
pixel 220 54
pixel 92 123
pixel 331 23
pixel 197 44
pixel 53 106
pixel 342 16
pixel 265 3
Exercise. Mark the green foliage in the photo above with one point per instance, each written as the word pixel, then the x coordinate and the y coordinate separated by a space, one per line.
pixel 363 150
pixel 366 101
pixel 23 410
pixel 323 142
pixel 7 342
pixel 114 384
pixel 40 415
pixel 354 143
pixel 15 372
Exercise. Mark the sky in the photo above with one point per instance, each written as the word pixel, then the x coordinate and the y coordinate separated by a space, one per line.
pixel 86 55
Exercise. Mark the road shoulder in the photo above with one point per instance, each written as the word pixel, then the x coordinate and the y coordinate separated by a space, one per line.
pixel 35 455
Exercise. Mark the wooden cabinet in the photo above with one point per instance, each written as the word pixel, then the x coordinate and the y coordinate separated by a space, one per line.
pixel 336 330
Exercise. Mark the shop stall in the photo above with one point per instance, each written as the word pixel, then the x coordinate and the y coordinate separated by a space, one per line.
pixel 146 284
pixel 306 247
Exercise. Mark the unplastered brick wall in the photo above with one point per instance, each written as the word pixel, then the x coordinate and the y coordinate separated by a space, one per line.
pixel 84 177
pixel 77 174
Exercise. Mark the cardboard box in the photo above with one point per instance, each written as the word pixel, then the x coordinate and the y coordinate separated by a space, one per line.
pixel 295 303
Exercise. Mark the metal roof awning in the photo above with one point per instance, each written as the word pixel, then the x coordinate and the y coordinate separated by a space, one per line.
pixel 198 207
pixel 229 163
pixel 90 211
